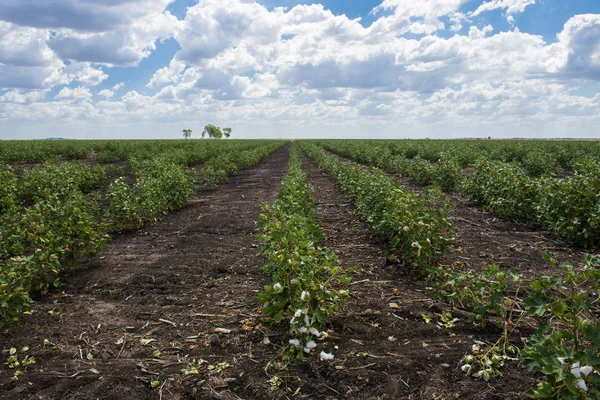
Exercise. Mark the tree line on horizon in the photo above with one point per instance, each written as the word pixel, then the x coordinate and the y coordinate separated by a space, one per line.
pixel 213 132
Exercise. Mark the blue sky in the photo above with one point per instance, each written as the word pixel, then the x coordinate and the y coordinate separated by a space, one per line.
pixel 289 68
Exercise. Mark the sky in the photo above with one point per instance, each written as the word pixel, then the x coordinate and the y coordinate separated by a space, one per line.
pixel 128 69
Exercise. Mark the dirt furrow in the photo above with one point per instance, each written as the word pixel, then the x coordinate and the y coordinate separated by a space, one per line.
pixel 385 349
pixel 482 238
pixel 156 302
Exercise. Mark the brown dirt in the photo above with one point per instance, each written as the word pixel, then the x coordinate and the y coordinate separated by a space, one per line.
pixel 423 361
pixel 199 260
pixel 482 238
pixel 175 282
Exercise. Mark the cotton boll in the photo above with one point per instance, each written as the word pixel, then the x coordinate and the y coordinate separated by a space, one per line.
pixel 581 385
pixel 311 344
pixel 586 370
pixel 295 342
pixel 575 370
pixel 326 356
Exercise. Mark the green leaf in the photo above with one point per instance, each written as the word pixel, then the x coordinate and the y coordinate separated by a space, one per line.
pixel 536 303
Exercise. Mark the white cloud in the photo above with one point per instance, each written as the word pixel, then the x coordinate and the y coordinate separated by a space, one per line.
pixel 215 25
pixel 22 97
pixel 124 46
pixel 306 69
pixel 421 17
pixel 115 32
pixel 170 74
pixel 579 45
pixel 79 15
pixel 85 74
pixel 511 6
pixel 80 93
pixel 106 93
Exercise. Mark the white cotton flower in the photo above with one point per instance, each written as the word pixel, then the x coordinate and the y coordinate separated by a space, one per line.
pixel 326 356
pixel 294 281
pixel 306 350
pixel 298 313
pixel 562 360
pixel 466 368
pixel 305 295
pixel 304 330
pixel 586 370
pixel 295 342
pixel 314 332
pixel 278 288
pixel 311 344
pixel 581 385
pixel 405 228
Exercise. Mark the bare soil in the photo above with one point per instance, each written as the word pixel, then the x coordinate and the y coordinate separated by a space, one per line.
pixel 187 286
pixel 482 238
pixel 167 288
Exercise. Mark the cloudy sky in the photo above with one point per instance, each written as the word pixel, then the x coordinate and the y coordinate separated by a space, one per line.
pixel 289 68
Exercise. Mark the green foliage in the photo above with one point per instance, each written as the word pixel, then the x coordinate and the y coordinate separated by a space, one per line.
pixel 539 163
pixel 302 271
pixel 38 181
pixel 446 173
pixel 38 242
pixel 9 189
pixel 482 293
pixel 213 132
pixel 160 187
pixel 416 227
pixel 566 348
pixel 571 207
pixel 504 188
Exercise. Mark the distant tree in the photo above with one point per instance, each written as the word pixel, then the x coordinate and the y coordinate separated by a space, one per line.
pixel 227 132
pixel 187 133
pixel 213 132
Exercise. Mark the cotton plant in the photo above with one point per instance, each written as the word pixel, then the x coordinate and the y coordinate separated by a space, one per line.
pixel 302 271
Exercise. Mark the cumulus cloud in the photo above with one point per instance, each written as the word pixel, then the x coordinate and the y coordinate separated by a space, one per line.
pixel 511 6
pixel 579 43
pixel 22 97
pixel 107 94
pixel 170 74
pixel 305 66
pixel 80 15
pixel 124 46
pixel 80 93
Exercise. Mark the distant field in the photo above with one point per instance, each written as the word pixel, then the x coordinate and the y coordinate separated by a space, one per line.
pixel 316 268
